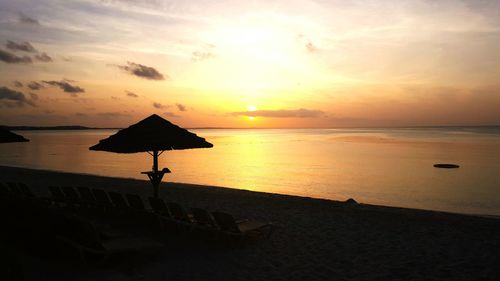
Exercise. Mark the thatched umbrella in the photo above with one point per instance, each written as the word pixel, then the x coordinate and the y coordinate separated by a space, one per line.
pixel 8 136
pixel 153 135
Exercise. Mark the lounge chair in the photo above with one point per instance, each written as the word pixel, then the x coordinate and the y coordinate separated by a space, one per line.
pixel 135 202
pixel 159 207
pixel 4 191
pixel 14 188
pixel 229 225
pixel 86 196
pixel 25 190
pixel 102 198
pixel 178 212
pixel 70 194
pixel 83 236
pixel 203 217
pixel 118 200
pixel 57 194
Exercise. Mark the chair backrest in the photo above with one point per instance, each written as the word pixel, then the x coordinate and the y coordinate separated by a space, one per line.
pixel 4 190
pixel 203 217
pixel 25 190
pixel 226 221
pixel 118 200
pixel 159 206
pixel 70 193
pixel 135 201
pixel 85 194
pixel 14 188
pixel 101 197
pixel 56 193
pixel 178 212
pixel 82 232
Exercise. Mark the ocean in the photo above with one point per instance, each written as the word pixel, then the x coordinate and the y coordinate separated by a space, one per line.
pixel 391 167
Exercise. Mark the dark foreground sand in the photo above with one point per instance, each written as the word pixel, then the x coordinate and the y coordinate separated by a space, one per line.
pixel 315 240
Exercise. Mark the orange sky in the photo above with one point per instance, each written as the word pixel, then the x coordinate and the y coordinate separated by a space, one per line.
pixel 250 63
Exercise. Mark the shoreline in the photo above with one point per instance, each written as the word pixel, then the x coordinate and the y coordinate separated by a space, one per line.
pixel 192 185
pixel 315 239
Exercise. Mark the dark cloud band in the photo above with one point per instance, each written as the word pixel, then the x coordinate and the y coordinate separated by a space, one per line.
pixel 142 71
pixel 283 113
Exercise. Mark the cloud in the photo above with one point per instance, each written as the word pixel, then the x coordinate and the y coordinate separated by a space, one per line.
pixel 28 20
pixel 282 113
pixel 17 84
pixel 34 96
pixel 11 58
pixel 159 105
pixel 81 114
pixel 13 98
pixel 171 114
pixel 131 94
pixel 310 47
pixel 35 85
pixel 181 107
pixel 65 86
pixel 199 56
pixel 142 71
pixel 23 46
pixel 43 57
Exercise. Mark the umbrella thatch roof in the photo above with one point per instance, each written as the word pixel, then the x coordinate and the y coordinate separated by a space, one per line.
pixel 8 136
pixel 151 134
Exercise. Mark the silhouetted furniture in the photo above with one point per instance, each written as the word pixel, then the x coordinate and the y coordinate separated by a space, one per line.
pixel 159 207
pixel 70 195
pixel 83 236
pixel 118 200
pixel 14 188
pixel 203 217
pixel 135 202
pixel 229 225
pixel 102 198
pixel 57 194
pixel 178 212
pixel 25 190
pixel 86 196
pixel 4 191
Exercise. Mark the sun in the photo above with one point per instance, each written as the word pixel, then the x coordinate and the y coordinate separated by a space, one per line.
pixel 251 108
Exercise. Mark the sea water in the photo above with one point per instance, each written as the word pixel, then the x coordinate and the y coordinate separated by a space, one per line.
pixel 378 166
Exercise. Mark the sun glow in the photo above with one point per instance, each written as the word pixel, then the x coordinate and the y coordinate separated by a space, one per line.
pixel 251 108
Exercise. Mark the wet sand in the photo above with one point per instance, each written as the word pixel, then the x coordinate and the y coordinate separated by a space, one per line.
pixel 315 239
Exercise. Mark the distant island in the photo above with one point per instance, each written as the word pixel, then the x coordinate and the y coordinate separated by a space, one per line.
pixel 31 128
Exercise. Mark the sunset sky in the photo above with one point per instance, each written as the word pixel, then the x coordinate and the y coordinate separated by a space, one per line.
pixel 250 63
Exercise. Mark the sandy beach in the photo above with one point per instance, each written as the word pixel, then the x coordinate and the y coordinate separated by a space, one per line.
pixel 314 239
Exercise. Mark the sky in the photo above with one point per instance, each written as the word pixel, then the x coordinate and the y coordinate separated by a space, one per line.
pixel 241 63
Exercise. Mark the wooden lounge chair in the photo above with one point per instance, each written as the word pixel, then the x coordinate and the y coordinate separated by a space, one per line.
pixel 102 198
pixel 25 190
pixel 178 212
pixel 86 196
pixel 70 194
pixel 14 188
pixel 118 200
pixel 83 236
pixel 135 202
pixel 203 217
pixel 158 206
pixel 57 194
pixel 229 225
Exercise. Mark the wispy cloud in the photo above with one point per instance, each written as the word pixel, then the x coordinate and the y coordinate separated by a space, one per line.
pixel 199 56
pixel 143 71
pixel 22 46
pixel 65 86
pixel 17 84
pixel 35 85
pixel 43 57
pixel 11 58
pixel 181 107
pixel 282 113
pixel 13 98
pixel 112 114
pixel 159 105
pixel 28 20
pixel 171 114
pixel 131 94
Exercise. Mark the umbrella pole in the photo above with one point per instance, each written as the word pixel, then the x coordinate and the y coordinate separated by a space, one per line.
pixel 155 182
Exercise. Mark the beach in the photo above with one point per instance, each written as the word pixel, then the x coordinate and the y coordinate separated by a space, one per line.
pixel 315 239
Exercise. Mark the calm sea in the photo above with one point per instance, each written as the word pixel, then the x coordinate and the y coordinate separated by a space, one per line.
pixel 381 166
